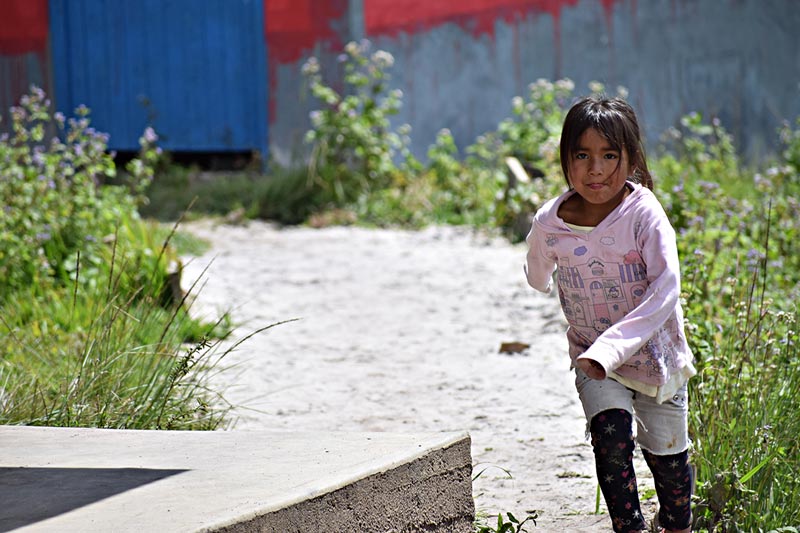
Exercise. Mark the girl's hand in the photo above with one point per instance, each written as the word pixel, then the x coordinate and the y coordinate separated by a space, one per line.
pixel 593 369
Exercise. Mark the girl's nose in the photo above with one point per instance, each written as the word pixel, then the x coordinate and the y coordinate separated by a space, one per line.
pixel 595 166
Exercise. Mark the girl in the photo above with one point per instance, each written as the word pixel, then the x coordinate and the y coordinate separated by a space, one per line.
pixel 619 283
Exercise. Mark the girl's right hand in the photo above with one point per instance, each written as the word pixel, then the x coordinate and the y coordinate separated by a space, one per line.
pixel 591 368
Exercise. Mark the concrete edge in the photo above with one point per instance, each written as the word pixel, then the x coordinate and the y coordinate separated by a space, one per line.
pixel 445 440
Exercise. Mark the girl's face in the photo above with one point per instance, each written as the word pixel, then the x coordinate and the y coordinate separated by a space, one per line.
pixel 598 172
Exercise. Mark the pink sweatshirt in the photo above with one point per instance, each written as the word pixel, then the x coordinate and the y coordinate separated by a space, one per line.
pixel 619 286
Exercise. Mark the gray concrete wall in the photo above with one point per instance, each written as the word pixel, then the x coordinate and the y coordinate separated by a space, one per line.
pixel 738 60
pixel 432 494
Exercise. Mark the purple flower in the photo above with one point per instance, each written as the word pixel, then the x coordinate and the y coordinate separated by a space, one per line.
pixel 149 135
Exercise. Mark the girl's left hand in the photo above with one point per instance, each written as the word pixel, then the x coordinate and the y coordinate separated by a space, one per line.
pixel 593 369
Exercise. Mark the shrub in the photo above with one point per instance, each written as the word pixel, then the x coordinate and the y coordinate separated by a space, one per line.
pixel 54 206
pixel 353 144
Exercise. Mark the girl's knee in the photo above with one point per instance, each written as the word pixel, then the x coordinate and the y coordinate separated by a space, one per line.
pixel 611 425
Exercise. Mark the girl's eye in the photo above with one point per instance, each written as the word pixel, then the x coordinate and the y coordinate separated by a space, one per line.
pixel 611 156
pixel 581 156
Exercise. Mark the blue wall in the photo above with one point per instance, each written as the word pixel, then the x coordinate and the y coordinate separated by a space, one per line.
pixel 194 70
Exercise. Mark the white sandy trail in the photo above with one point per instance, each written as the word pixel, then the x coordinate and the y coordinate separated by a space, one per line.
pixel 399 331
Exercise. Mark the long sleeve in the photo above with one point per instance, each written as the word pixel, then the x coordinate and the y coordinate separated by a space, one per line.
pixel 538 268
pixel 629 334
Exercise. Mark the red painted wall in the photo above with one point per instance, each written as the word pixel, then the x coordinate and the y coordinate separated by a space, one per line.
pixel 292 27
pixel 390 17
pixel 23 27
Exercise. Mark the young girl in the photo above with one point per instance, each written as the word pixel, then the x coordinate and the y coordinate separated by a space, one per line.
pixel 619 284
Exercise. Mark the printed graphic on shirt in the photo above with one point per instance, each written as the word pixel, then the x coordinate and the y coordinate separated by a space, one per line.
pixel 597 293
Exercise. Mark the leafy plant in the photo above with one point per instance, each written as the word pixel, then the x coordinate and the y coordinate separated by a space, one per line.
pixel 353 143
pixel 511 525
pixel 93 321
pixel 53 203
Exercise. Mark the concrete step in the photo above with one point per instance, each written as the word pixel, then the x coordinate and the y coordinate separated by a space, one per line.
pixel 87 480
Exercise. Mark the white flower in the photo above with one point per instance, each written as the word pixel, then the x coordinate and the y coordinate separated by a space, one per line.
pixel 383 59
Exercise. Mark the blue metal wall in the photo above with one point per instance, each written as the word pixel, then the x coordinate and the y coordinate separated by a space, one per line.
pixel 195 71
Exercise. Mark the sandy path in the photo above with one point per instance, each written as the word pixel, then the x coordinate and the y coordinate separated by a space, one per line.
pixel 400 332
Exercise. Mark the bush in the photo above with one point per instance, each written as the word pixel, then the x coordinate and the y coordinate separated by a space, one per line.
pixel 54 206
pixel 353 144
pixel 92 325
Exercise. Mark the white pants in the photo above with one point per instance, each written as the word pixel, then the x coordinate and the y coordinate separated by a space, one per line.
pixel 661 429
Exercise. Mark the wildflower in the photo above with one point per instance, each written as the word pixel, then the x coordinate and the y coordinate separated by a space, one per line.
pixel 149 135
pixel 596 87
pixel 59 117
pixel 565 84
pixel 316 117
pixel 351 48
pixel 383 59
pixel 310 67
pixel 708 186
pixel 82 111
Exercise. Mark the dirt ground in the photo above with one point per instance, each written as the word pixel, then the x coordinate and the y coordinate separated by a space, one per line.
pixel 400 331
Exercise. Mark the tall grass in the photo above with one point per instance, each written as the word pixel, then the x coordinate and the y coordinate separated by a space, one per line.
pixel 95 355
pixel 95 329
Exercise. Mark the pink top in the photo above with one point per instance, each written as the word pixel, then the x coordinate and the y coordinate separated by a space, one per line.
pixel 619 286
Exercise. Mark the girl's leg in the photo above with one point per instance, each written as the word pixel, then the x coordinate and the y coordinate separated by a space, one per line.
pixel 612 440
pixel 673 479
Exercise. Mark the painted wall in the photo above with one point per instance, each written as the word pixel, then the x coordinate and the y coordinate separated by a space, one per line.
pixel 24 50
pixel 460 63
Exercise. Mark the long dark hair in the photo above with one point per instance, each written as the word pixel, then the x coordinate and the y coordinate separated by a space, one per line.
pixel 615 119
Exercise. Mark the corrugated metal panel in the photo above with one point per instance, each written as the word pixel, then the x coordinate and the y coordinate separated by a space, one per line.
pixel 194 70
pixel 24 58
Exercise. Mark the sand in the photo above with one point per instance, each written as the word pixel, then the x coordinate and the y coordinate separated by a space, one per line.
pixel 400 331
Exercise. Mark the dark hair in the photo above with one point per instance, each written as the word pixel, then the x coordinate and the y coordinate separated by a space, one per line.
pixel 615 120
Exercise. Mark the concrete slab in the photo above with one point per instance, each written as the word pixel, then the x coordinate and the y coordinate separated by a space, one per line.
pixel 64 479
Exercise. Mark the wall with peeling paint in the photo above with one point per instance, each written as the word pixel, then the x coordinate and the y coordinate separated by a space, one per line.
pixel 460 63
pixel 24 52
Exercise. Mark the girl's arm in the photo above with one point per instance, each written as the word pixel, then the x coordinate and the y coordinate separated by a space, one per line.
pixel 624 338
pixel 538 268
